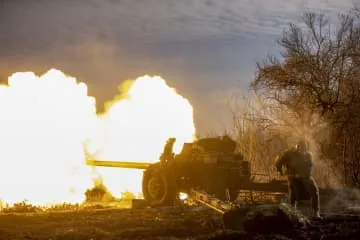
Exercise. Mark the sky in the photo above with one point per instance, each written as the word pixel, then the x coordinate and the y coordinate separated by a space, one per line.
pixel 206 49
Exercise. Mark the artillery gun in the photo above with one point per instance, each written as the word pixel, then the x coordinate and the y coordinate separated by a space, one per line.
pixel 210 166
pixel 212 173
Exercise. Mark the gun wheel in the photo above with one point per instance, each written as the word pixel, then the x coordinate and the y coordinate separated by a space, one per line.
pixel 158 187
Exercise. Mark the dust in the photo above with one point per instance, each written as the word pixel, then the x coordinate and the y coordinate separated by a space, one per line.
pixel 264 125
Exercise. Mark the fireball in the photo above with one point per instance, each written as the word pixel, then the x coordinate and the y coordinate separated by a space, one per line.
pixel 47 120
pixel 43 123
pixel 135 127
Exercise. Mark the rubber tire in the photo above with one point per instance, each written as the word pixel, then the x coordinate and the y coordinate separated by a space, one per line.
pixel 170 192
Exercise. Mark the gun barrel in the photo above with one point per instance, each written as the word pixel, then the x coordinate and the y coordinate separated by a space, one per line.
pixel 118 164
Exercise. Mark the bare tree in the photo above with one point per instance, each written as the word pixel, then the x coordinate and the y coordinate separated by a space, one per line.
pixel 317 83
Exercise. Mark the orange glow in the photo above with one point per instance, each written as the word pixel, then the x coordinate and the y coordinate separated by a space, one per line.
pixel 42 125
pixel 136 126
pixel 46 120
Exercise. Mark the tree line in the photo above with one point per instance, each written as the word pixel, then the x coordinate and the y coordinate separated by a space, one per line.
pixel 311 91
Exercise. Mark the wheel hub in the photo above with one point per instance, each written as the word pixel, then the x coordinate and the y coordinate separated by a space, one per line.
pixel 155 187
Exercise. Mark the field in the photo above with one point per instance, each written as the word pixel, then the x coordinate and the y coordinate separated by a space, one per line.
pixel 108 223
pixel 181 222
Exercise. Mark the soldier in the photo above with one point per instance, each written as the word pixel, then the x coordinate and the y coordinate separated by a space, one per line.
pixel 168 154
pixel 298 163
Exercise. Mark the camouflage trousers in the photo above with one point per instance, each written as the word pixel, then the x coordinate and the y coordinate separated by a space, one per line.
pixel 301 188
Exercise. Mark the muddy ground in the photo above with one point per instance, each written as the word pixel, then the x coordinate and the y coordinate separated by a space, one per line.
pixel 165 223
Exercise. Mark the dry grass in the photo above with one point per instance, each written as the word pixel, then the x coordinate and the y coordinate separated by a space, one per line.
pixel 94 223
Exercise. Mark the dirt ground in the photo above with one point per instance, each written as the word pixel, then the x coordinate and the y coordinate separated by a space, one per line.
pixel 165 223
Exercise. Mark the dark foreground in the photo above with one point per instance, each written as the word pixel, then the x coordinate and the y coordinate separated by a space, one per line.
pixel 166 223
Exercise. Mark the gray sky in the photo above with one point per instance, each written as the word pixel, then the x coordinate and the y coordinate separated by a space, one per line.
pixel 206 49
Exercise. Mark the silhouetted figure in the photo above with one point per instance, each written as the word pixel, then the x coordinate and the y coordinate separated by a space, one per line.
pixel 298 163
pixel 168 153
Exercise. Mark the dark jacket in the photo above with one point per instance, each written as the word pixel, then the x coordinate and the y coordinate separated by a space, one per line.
pixel 297 164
